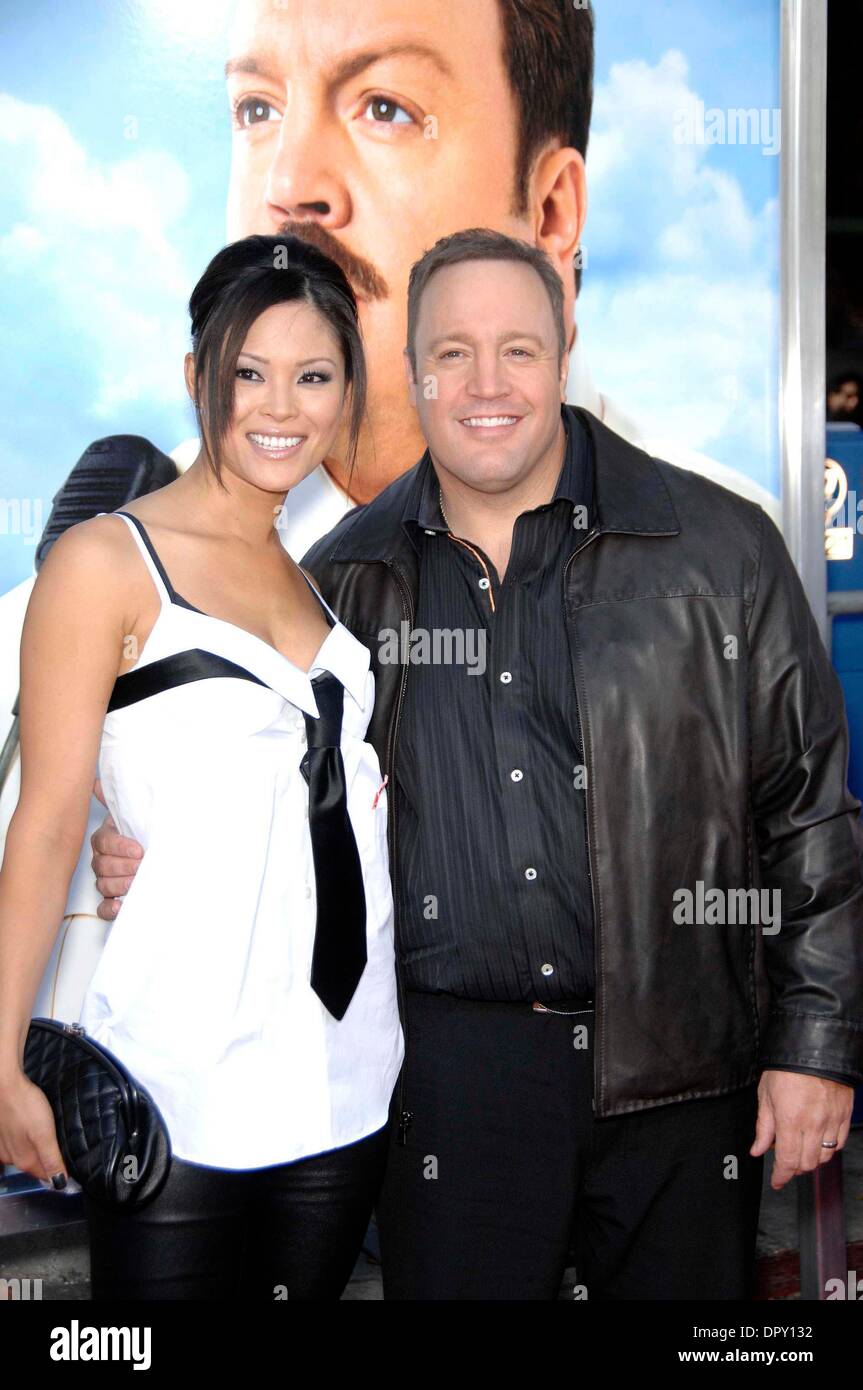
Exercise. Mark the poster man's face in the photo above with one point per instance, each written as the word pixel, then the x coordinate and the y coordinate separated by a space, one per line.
pixel 387 125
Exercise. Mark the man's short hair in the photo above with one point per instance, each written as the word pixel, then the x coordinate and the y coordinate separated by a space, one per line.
pixel 482 244
pixel 548 56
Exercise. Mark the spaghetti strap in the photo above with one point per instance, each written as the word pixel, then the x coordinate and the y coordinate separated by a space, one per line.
pixel 148 555
pixel 154 564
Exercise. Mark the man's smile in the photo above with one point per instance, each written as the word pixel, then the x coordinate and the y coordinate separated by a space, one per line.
pixel 487 423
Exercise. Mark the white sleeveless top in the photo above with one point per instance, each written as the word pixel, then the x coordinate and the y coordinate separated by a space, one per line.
pixel 203 988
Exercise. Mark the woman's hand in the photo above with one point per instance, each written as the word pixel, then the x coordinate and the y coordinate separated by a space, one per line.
pixel 28 1135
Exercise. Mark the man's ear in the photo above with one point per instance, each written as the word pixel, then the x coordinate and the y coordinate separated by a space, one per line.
pixel 564 375
pixel 412 386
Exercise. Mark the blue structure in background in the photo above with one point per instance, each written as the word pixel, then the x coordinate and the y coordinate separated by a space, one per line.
pixel 844 584
pixel 845 445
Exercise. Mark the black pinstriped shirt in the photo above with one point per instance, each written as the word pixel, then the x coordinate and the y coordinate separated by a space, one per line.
pixel 494 884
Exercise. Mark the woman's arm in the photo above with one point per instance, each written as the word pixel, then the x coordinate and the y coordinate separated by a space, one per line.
pixel 71 646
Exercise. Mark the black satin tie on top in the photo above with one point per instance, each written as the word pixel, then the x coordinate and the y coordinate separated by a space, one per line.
pixel 339 955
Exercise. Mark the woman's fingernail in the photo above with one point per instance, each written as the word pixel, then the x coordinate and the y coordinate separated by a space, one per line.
pixel 58 1181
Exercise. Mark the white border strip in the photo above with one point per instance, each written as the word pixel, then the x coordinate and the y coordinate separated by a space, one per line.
pixel 802 331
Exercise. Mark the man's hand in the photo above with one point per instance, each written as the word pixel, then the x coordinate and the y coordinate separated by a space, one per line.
pixel 795 1113
pixel 115 862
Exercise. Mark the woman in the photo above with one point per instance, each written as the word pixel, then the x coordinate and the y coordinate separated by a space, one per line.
pixel 177 649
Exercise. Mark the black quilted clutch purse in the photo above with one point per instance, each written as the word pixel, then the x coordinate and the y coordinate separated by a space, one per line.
pixel 111 1133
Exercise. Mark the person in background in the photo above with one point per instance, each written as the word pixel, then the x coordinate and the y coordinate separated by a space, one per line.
pixel 844 399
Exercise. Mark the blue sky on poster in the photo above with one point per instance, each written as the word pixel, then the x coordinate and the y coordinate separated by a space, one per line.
pixel 102 236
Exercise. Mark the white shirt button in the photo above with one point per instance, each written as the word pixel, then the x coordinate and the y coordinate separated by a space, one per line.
pixel 547 969
pixel 505 677
pixel 308 891
pixel 484 583
pixel 516 774
pixel 530 873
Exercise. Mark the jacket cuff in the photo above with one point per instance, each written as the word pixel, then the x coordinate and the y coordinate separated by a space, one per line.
pixel 814 1041
pixel 813 1071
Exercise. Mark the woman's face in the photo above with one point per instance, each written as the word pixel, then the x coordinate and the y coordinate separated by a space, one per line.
pixel 288 398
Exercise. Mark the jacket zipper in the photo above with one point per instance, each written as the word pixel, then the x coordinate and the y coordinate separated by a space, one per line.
pixel 591 536
pixel 405 1115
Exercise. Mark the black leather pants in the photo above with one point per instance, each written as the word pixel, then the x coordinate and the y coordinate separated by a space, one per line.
pixel 293 1230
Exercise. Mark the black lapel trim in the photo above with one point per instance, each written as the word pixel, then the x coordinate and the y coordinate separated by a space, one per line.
pixel 177 669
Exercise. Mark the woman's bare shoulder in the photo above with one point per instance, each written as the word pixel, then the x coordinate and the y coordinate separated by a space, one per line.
pixel 99 539
pixel 96 555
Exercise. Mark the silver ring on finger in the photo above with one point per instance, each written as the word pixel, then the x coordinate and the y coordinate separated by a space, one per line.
pixel 830 1143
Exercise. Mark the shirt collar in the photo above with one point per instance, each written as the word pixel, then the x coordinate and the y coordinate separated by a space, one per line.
pixel 348 660
pixel 344 656
pixel 574 485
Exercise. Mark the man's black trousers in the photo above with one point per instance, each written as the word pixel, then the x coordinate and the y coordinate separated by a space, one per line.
pixel 506 1171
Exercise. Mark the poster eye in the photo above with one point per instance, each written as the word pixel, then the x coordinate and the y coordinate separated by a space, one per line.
pixel 384 111
pixel 249 111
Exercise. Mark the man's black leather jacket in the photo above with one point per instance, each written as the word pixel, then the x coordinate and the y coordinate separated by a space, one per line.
pixel 715 746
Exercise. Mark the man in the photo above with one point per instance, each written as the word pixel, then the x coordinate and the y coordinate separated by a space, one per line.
pixel 843 399
pixel 656 725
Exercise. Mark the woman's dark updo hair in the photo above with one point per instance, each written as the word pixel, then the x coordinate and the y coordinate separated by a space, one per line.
pixel 240 283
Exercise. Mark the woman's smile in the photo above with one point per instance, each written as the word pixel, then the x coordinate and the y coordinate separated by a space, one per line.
pixel 275 446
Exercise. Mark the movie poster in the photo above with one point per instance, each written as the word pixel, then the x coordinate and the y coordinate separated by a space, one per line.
pixel 136 139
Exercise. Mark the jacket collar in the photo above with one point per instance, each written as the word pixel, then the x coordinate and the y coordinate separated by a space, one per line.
pixel 631 497
pixel 574 485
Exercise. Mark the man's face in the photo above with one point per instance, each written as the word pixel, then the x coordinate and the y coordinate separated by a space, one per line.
pixel 386 125
pixel 489 383
pixel 845 400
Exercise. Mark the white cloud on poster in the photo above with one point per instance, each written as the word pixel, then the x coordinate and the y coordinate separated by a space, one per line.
pixel 680 298
pixel 87 249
